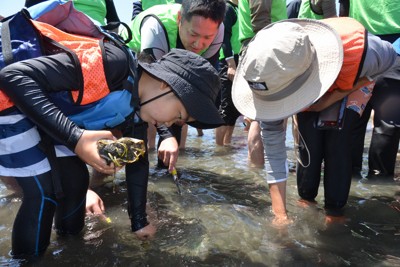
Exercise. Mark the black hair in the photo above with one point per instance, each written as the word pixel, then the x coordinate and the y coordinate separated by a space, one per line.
pixel 210 9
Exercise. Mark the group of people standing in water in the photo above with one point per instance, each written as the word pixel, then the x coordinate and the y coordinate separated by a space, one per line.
pixel 85 76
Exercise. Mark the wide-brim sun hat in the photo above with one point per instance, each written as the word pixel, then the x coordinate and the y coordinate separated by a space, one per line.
pixel 286 67
pixel 194 81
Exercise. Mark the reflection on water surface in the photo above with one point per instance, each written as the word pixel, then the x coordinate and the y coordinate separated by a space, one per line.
pixel 223 218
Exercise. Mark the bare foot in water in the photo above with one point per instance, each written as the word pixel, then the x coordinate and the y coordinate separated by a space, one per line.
pixel 306 203
pixel 281 220
pixel 334 219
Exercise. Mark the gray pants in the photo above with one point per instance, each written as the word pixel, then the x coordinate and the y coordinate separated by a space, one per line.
pixel 274 136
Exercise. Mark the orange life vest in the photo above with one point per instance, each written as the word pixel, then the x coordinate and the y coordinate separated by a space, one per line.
pixel 89 53
pixel 353 35
pixel 5 102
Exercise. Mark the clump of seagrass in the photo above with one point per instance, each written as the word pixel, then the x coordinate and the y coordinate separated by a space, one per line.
pixel 121 151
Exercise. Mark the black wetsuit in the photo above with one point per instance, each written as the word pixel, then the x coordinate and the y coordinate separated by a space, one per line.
pixel 28 84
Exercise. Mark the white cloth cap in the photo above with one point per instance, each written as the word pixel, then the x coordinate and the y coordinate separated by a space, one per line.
pixel 287 66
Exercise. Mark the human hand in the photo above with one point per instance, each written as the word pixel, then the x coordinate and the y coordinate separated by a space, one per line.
pixel 231 68
pixel 94 204
pixel 319 105
pixel 146 233
pixel 168 152
pixel 86 149
pixel 231 73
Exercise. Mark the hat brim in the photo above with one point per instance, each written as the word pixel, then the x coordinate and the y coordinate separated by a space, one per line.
pixel 202 109
pixel 324 71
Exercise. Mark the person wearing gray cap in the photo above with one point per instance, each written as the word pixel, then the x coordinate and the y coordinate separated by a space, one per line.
pixel 75 103
pixel 304 66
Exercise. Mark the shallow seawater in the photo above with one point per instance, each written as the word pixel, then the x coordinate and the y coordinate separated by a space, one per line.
pixel 223 218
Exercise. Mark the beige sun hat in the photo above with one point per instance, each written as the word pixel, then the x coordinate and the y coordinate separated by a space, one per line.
pixel 286 67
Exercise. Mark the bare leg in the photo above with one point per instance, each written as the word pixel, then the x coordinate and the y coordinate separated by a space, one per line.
pixel 278 199
pixel 199 132
pixel 220 135
pixel 255 145
pixel 151 136
pixel 182 143
pixel 228 135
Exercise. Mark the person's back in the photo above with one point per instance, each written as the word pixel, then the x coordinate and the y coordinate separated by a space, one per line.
pixel 317 9
pixel 380 18
pixel 141 5
pixel 255 15
pixel 146 4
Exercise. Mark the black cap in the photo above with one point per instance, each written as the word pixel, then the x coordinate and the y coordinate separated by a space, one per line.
pixel 194 80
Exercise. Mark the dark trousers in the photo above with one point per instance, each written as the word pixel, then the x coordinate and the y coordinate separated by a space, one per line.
pixel 385 135
pixel 333 149
pixel 358 140
pixel 383 149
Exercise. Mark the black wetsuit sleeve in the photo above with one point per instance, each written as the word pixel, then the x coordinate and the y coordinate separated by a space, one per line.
pixel 164 132
pixel 28 83
pixel 229 21
pixel 137 176
pixel 112 15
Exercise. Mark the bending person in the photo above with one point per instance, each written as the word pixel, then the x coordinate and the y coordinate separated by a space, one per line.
pixel 287 67
pixel 40 94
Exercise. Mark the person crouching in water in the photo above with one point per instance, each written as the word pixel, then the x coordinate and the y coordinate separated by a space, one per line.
pixel 40 101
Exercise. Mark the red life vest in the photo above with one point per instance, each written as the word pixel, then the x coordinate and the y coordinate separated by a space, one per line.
pixel 353 35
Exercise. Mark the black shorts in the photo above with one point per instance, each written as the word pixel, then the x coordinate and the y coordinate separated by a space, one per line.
pixel 227 109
